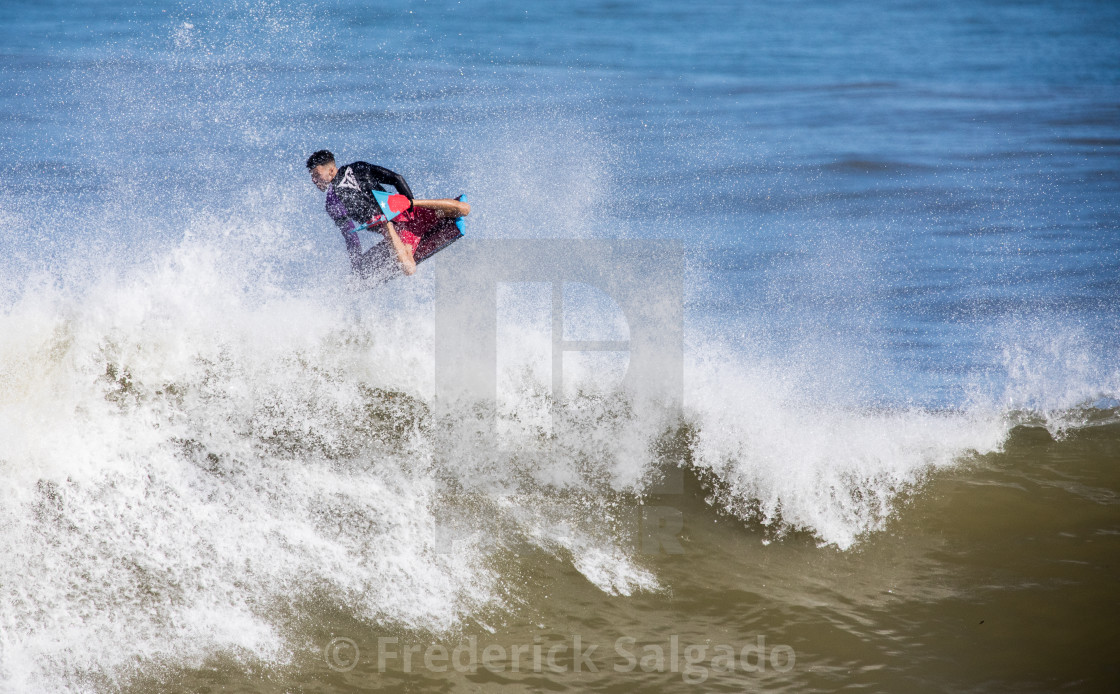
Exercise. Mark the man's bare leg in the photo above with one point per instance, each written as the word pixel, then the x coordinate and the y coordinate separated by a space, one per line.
pixel 445 206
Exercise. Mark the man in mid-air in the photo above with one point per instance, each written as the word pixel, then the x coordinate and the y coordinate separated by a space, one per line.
pixel 351 204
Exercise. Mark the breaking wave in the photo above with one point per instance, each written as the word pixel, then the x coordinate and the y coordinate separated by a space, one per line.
pixel 193 451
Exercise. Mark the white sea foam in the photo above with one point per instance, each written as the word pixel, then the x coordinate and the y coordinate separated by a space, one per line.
pixel 1050 372
pixel 183 455
pixel 190 449
pixel 795 462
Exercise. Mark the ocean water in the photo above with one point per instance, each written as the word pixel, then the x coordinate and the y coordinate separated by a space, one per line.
pixel 896 464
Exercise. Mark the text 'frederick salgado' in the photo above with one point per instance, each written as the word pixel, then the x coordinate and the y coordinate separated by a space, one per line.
pixel 694 661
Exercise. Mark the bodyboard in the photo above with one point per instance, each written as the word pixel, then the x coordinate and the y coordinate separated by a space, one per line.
pixel 391 206
pixel 442 233
pixel 379 263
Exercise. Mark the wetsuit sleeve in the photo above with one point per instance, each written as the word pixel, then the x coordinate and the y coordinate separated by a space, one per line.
pixel 353 249
pixel 374 176
pixel 338 215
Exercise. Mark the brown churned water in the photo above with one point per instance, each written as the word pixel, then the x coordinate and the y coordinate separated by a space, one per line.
pixel 1001 574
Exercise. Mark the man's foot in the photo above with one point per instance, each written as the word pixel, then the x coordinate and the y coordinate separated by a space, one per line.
pixel 459 220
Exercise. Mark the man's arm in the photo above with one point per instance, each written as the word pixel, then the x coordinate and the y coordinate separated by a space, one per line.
pixel 353 249
pixel 370 175
pixel 338 214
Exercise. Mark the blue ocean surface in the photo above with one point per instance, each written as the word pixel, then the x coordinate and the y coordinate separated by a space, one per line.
pixel 901 233
pixel 929 186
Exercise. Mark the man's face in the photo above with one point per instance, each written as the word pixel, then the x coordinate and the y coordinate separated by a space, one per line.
pixel 323 174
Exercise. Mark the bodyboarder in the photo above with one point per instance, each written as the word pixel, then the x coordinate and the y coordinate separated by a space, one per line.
pixel 351 205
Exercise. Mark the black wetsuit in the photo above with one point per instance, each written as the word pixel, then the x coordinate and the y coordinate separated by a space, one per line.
pixel 350 204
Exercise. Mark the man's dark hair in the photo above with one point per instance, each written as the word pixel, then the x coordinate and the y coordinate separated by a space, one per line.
pixel 321 157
